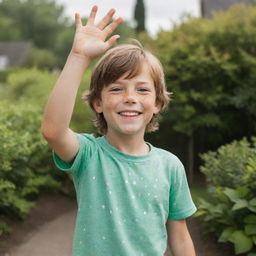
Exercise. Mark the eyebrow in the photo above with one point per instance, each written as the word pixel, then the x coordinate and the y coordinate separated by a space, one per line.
pixel 137 83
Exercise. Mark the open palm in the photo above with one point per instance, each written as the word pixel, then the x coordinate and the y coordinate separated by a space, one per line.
pixel 90 40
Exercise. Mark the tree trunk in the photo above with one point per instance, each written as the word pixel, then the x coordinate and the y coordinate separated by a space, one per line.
pixel 190 158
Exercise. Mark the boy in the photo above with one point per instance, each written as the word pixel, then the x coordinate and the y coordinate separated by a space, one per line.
pixel 130 194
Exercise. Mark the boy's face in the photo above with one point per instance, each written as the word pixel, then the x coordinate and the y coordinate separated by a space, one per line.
pixel 128 105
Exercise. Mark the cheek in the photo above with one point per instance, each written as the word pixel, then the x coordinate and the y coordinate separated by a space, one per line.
pixel 149 101
pixel 109 104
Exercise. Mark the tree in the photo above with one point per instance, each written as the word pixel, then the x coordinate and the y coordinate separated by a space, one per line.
pixel 210 66
pixel 8 29
pixel 37 20
pixel 139 16
pixel 43 23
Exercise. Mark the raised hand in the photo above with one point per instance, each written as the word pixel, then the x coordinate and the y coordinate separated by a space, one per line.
pixel 90 40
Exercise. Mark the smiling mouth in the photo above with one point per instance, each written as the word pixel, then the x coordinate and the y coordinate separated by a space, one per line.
pixel 130 113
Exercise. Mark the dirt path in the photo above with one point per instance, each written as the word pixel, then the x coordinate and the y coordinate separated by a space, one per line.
pixel 53 238
pixel 49 227
pixel 47 230
pixel 207 245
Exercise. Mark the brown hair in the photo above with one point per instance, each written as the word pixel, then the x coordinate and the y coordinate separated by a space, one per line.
pixel 114 64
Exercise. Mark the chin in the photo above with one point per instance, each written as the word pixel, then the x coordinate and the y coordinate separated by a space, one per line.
pixel 130 131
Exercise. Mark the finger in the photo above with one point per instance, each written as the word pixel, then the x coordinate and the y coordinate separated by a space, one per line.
pixel 78 20
pixel 112 26
pixel 92 15
pixel 102 24
pixel 112 40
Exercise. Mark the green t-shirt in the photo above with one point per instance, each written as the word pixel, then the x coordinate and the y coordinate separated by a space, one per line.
pixel 124 201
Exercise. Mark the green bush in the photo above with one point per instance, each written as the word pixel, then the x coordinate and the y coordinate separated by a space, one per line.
pixel 22 159
pixel 232 217
pixel 34 86
pixel 231 211
pixel 26 165
pixel 231 165
pixel 40 58
pixel 29 85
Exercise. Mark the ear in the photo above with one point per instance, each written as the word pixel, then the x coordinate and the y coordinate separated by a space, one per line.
pixel 97 105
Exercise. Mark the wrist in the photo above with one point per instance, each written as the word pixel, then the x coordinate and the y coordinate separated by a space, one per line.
pixel 79 57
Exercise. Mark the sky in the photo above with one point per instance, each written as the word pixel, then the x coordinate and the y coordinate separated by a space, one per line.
pixel 160 14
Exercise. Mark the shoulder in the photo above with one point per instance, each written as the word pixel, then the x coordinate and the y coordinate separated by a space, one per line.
pixel 86 136
pixel 87 144
pixel 169 158
pixel 86 139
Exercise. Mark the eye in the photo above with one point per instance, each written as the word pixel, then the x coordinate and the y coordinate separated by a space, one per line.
pixel 115 89
pixel 143 90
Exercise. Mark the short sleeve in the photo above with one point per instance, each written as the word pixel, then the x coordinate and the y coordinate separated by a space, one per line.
pixel 86 147
pixel 181 204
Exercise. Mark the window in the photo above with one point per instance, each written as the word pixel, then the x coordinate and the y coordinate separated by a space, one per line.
pixel 3 62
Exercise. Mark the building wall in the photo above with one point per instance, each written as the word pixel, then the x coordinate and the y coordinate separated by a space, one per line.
pixel 13 53
pixel 210 6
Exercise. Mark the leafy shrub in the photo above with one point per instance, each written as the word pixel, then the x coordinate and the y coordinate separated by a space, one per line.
pixel 34 86
pixel 24 168
pixel 29 85
pixel 26 165
pixel 231 165
pixel 231 212
pixel 232 216
pixel 40 58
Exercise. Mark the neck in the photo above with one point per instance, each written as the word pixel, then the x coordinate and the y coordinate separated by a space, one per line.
pixel 128 144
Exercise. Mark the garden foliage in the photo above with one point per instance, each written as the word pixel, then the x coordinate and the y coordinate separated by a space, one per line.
pixel 45 25
pixel 26 165
pixel 24 168
pixel 210 65
pixel 231 214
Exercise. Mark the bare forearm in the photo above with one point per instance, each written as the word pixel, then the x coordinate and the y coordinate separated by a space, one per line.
pixel 183 247
pixel 59 109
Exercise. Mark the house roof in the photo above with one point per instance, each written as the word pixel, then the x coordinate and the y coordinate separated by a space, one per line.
pixel 210 6
pixel 13 53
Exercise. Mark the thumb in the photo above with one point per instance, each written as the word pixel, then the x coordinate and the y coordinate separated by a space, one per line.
pixel 111 41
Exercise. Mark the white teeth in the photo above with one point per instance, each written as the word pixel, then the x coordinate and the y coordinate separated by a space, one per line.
pixel 129 113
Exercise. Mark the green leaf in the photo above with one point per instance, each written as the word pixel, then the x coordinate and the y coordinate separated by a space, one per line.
pixel 231 194
pixel 199 213
pixel 243 191
pixel 253 202
pixel 226 235
pixel 6 185
pixel 240 204
pixel 252 208
pixel 252 254
pixel 250 219
pixel 221 196
pixel 254 239
pixel 203 204
pixel 242 242
pixel 250 229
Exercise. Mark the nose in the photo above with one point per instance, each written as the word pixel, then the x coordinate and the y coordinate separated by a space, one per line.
pixel 130 97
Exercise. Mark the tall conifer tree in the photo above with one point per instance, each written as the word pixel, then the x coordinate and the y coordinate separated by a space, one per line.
pixel 139 16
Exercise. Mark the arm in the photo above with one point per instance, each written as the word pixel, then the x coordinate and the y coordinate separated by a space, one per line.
pixel 179 239
pixel 89 42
